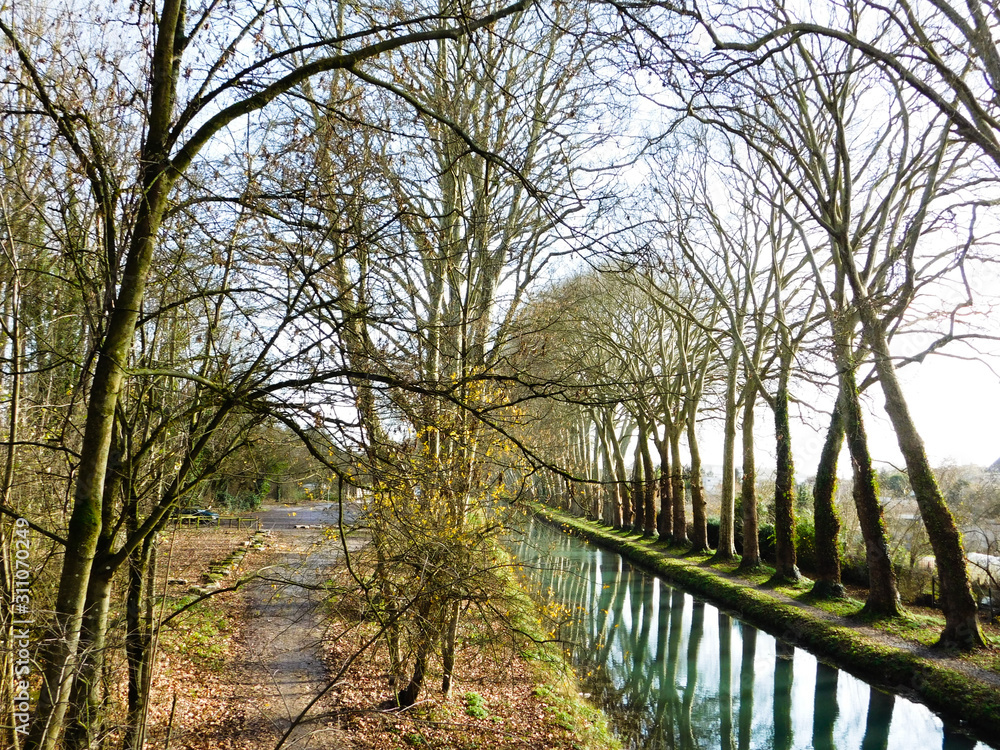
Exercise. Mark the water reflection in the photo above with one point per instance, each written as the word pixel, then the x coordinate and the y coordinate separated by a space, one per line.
pixel 675 672
pixel 825 707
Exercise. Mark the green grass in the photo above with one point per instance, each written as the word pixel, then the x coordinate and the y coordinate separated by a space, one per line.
pixel 922 629
pixel 758 576
pixel 793 590
pixel 845 607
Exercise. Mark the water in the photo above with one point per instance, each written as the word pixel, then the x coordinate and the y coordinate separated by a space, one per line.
pixel 675 672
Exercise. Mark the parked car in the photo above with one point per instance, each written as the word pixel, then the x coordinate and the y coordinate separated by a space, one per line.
pixel 196 515
pixel 205 515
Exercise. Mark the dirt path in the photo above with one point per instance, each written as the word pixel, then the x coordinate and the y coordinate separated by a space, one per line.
pixel 285 626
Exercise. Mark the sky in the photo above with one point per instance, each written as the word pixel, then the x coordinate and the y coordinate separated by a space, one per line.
pixel 956 406
pixel 954 403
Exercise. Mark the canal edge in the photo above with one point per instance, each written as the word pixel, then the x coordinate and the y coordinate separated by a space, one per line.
pixel 971 704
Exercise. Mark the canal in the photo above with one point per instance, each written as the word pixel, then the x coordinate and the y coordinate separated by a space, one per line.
pixel 673 671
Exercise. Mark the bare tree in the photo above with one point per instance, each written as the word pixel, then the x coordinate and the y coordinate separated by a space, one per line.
pixel 867 241
pixel 178 109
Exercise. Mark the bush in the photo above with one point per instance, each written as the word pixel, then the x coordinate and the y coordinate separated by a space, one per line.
pixel 914 583
pixel 854 570
pixel 713 532
pixel 475 706
pixel 242 503
pixel 805 544
pixel 766 542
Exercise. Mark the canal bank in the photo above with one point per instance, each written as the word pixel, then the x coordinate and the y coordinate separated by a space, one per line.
pixel 957 690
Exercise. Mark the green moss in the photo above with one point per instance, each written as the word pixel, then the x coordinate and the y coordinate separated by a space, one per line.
pixel 920 628
pixel 570 711
pixel 842 607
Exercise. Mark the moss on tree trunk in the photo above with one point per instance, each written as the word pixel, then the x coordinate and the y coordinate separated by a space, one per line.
pixel 828 583
pixel 748 485
pixel 785 568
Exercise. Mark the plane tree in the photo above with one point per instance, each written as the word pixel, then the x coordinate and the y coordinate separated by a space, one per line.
pixel 878 199
pixel 742 83
pixel 944 51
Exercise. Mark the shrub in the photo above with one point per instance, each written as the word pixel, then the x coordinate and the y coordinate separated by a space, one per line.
pixel 713 532
pixel 242 503
pixel 475 706
pixel 805 544
pixel 766 542
pixel 854 570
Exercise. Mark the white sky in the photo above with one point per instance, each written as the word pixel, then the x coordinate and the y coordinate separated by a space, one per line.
pixel 955 404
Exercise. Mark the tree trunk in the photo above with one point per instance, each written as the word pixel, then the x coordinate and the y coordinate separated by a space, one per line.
pixel 699 507
pixel 748 486
pixel 638 483
pixel 448 648
pixel 138 642
pixel 785 568
pixel 624 513
pixel 408 695
pixel 677 488
pixel 883 598
pixel 609 487
pixel 649 489
pixel 58 653
pixel 8 734
pixel 727 502
pixel 961 628
pixel 86 725
pixel 828 584
pixel 665 518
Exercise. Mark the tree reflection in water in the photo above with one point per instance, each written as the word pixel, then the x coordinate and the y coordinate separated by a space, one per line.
pixel 629 630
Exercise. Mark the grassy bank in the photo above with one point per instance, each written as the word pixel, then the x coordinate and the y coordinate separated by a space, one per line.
pixel 930 677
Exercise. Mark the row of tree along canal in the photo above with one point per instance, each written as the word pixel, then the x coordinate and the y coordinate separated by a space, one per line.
pixel 675 672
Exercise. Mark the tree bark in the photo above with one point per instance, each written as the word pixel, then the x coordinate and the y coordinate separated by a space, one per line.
pixel 665 518
pixel 961 628
pixel 623 514
pixel 748 486
pixel 649 488
pixel 827 524
pixel 883 597
pixel 727 502
pixel 680 536
pixel 138 642
pixel 638 482
pixel 448 648
pixel 86 725
pixel 785 568
pixel 699 507
pixel 611 504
